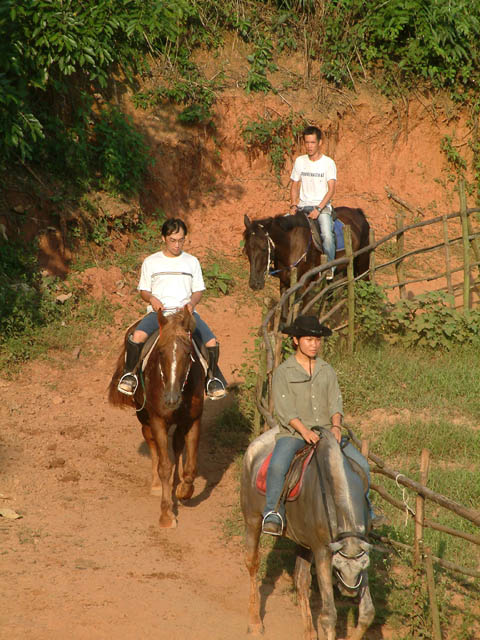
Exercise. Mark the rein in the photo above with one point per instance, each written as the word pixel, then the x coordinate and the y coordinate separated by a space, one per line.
pixel 161 373
pixel 270 255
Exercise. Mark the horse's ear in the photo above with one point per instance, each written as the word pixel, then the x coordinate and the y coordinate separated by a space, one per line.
pixel 247 222
pixel 335 546
pixel 188 319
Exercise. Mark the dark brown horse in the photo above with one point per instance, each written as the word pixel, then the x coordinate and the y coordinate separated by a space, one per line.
pixel 171 392
pixel 277 244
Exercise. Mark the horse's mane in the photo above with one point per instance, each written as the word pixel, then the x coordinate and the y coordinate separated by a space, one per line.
pixel 283 222
pixel 335 462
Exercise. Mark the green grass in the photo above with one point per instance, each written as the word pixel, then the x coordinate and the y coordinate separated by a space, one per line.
pixel 446 441
pixel 388 377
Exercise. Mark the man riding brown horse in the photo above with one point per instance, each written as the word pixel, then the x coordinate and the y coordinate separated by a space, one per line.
pixel 312 187
pixel 171 279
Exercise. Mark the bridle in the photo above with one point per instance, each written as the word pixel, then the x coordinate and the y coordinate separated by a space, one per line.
pixel 271 254
pixel 343 536
pixel 192 359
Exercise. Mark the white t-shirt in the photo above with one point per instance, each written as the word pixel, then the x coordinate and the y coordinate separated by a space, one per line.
pixel 171 280
pixel 313 177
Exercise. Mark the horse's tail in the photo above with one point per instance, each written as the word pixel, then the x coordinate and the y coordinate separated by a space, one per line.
pixel 116 398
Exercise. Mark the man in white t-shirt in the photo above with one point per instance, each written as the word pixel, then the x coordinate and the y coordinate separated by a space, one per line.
pixel 169 280
pixel 312 187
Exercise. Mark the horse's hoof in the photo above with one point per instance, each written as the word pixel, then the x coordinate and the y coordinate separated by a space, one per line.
pixel 184 491
pixel 168 522
pixel 156 491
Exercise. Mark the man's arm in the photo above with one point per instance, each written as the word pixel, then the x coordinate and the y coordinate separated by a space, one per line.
pixel 307 434
pixel 294 194
pixel 194 300
pixel 328 196
pixel 336 426
pixel 151 299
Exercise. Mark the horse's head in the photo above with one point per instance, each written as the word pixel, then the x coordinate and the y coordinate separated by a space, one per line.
pixel 259 250
pixel 350 559
pixel 174 354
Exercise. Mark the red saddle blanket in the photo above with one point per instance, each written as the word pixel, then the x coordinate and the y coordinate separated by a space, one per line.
pixel 262 477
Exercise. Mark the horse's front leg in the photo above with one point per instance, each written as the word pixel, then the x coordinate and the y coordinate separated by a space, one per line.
pixel 156 486
pixel 252 560
pixel 164 467
pixel 366 610
pixel 303 578
pixel 328 613
pixel 191 439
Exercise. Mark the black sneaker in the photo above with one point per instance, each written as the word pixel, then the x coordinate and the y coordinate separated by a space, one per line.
pixel 215 389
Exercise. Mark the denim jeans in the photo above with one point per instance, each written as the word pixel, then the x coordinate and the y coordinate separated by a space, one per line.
pixel 285 449
pixel 325 224
pixel 149 324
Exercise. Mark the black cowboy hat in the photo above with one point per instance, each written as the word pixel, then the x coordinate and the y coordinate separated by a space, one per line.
pixel 307 326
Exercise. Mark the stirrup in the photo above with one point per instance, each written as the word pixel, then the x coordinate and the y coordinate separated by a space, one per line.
pixel 282 523
pixel 221 393
pixel 124 391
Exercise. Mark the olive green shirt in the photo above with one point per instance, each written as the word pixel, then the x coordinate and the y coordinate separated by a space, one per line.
pixel 313 401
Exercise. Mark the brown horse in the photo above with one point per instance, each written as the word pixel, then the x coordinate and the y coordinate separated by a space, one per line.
pixel 285 242
pixel 171 392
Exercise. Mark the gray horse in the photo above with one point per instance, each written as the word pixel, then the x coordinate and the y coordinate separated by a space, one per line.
pixel 329 521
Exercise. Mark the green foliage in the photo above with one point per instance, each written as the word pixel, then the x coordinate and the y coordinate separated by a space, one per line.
pixel 54 53
pixel 370 310
pixel 121 153
pixel 261 61
pixel 25 301
pixel 217 282
pixel 428 321
pixel 403 41
pixel 188 87
pixel 275 136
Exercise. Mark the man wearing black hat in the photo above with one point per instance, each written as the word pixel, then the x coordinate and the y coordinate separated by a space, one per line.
pixel 305 395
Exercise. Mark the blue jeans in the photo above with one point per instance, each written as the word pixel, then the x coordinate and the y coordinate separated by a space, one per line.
pixel 285 449
pixel 149 324
pixel 326 226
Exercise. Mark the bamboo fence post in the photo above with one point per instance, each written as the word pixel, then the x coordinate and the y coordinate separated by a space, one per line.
pixel 399 266
pixel 475 244
pixel 261 374
pixel 447 260
pixel 371 266
pixel 274 338
pixel 420 506
pixel 466 245
pixel 437 632
pixel 365 448
pixel 291 299
pixel 347 233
